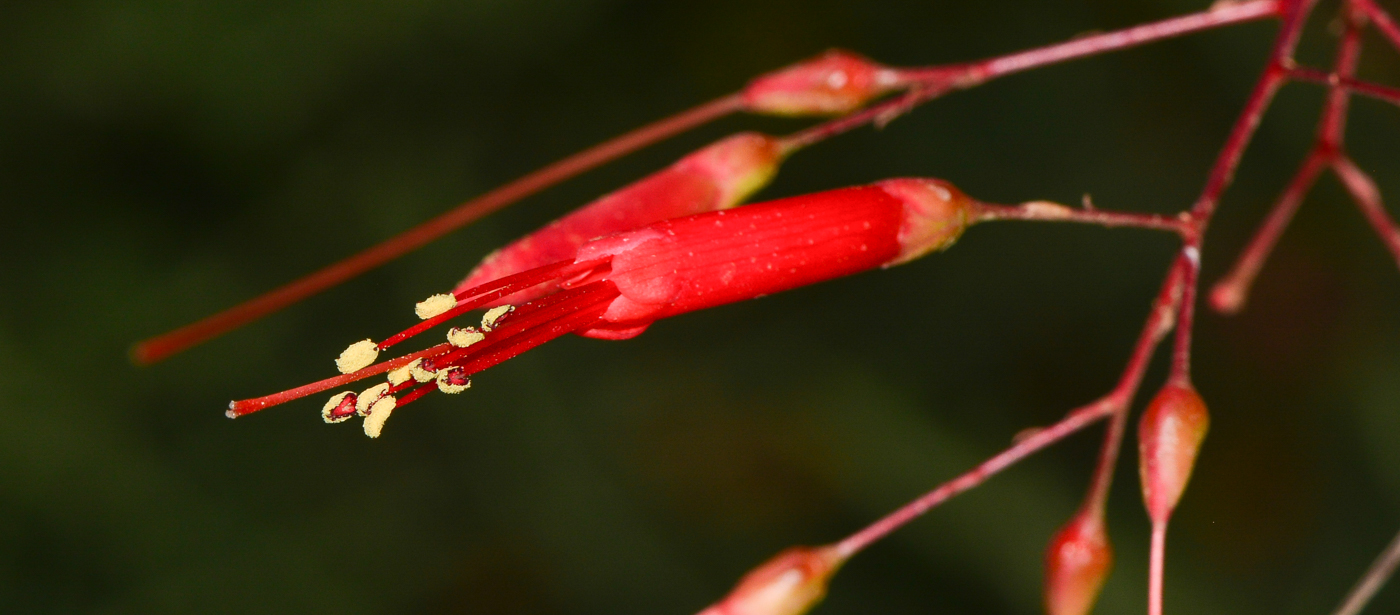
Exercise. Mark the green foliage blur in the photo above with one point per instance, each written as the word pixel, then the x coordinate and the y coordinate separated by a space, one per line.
pixel 161 160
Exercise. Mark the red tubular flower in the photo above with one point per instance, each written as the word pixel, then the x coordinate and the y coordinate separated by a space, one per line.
pixel 618 285
pixel 833 83
pixel 716 177
pixel 1077 563
pixel 1169 439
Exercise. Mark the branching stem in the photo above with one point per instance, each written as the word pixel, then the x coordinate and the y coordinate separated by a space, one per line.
pixel 1159 322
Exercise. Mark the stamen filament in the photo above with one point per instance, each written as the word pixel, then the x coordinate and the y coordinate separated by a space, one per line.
pixel 243 407
pixel 473 298
pixel 553 309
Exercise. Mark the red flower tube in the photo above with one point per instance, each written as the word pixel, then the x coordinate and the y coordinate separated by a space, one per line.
pixel 618 285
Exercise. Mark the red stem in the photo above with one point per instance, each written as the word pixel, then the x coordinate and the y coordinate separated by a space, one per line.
pixel 1156 568
pixel 931 82
pixel 1368 199
pixel 1158 323
pixel 1381 19
pixel 162 346
pixel 1355 86
pixel 1230 293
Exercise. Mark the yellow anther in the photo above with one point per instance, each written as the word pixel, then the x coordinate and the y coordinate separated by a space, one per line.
pixel 462 337
pixel 378 413
pixel 369 397
pixel 434 305
pixel 357 356
pixel 494 314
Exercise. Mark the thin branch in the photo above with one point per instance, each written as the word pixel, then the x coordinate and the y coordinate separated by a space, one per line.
pixel 1231 292
pixel 1368 199
pixel 1371 582
pixel 1275 75
pixel 1156 568
pixel 1381 19
pixel 1159 322
pixel 1355 86
pixel 1045 211
pixel 931 82
pixel 160 347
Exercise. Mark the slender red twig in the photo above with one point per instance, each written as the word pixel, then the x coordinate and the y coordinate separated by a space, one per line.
pixel 1230 293
pixel 1156 568
pixel 162 346
pixel 1355 86
pixel 1371 582
pixel 1381 19
pixel 1159 322
pixel 931 82
pixel 1368 199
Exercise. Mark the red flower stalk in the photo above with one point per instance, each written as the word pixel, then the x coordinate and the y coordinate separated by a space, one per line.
pixel 791 583
pixel 1169 439
pixel 716 177
pixel 833 83
pixel 1077 563
pixel 618 285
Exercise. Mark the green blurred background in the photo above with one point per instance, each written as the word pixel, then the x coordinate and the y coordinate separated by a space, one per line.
pixel 161 159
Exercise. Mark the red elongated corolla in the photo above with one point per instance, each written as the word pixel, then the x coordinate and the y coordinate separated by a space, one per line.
pixel 617 286
pixel 716 177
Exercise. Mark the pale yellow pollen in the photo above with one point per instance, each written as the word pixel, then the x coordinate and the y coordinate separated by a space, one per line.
pixel 369 397
pixel 494 314
pixel 357 356
pixel 420 374
pixel 378 413
pixel 401 375
pixel 332 405
pixel 462 337
pixel 434 305
pixel 449 388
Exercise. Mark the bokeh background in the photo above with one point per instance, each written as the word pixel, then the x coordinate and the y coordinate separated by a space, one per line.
pixel 160 160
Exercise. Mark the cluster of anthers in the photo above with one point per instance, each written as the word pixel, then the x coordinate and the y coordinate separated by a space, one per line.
pixel 415 379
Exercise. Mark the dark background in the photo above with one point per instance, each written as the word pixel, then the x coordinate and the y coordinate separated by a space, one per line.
pixel 162 159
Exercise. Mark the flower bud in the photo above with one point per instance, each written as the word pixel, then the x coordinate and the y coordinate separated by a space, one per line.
pixel 791 583
pixel 1077 563
pixel 718 176
pixel 833 83
pixel 1169 438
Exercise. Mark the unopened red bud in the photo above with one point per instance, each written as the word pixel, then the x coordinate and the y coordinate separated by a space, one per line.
pixel 833 83
pixel 719 176
pixel 1169 438
pixel 789 584
pixel 1077 563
